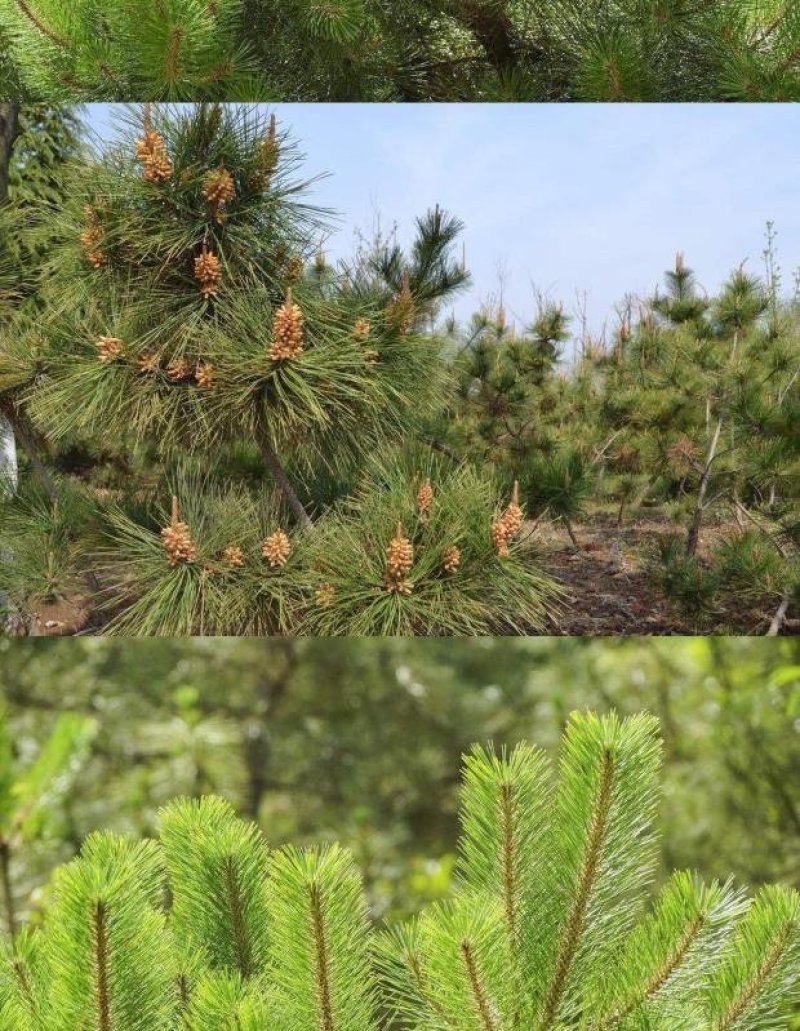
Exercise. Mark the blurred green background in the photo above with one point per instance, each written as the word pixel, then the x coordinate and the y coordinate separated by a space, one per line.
pixel 360 740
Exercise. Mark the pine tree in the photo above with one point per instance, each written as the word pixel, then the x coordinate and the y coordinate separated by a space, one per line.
pixel 48 139
pixel 689 410
pixel 197 346
pixel 44 141
pixel 715 389
pixel 550 925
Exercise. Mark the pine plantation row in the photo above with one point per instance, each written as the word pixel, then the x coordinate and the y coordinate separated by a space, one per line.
pixel 616 50
pixel 550 924
pixel 222 433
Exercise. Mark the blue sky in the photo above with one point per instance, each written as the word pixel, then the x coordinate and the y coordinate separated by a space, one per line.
pixel 566 198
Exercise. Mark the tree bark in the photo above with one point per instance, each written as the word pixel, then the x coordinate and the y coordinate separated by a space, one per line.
pixel 8 458
pixel 494 32
pixel 26 435
pixel 282 482
pixel 693 536
pixel 9 131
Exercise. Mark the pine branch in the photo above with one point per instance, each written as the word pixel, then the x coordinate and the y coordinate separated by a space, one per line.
pixel 100 960
pixel 749 992
pixel 282 481
pixel 322 960
pixel 659 978
pixel 235 903
pixel 477 989
pixel 595 840
pixel 23 978
pixel 108 955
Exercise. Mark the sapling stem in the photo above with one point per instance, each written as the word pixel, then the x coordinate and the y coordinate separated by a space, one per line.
pixel 8 891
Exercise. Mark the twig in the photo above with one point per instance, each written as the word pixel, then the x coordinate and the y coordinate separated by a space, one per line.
pixel 278 473
pixel 779 618
pixel 8 892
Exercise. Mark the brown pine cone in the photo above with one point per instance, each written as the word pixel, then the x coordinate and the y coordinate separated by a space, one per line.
pixel 276 549
pixel 179 370
pixel 287 332
pixel 151 153
pixel 362 330
pixel 208 272
pixel 500 538
pixel 513 517
pixel 219 189
pixel 109 349
pixel 451 560
pixel 399 560
pixel 233 556
pixel 325 596
pixel 205 375
pixel 177 540
pixel 425 500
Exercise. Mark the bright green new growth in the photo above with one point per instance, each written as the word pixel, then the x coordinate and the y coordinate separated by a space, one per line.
pixel 249 940
pixel 548 928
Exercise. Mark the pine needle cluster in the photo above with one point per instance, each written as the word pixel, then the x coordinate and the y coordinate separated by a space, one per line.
pixel 83 50
pixel 551 925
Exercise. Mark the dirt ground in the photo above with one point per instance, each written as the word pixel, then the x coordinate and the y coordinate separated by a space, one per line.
pixel 611 591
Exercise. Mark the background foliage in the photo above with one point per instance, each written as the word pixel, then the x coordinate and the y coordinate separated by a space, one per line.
pixel 314 739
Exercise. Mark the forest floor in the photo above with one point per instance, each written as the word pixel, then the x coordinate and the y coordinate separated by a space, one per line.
pixel 611 588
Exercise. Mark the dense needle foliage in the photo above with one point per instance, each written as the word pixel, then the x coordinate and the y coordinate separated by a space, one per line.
pixel 616 50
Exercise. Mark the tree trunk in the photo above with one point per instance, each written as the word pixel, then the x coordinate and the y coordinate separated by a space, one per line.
pixel 271 690
pixel 494 32
pixel 25 434
pixel 282 482
pixel 8 459
pixel 8 890
pixel 571 533
pixel 9 130
pixel 693 536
